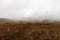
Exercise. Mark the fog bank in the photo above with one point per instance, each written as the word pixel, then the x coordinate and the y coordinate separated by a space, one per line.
pixel 30 9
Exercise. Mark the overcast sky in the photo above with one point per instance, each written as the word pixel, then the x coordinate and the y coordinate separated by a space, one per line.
pixel 25 9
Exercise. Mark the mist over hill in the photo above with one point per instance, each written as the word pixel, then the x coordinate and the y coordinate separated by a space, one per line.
pixel 33 9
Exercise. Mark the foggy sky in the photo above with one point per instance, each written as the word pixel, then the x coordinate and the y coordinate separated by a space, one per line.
pixel 25 9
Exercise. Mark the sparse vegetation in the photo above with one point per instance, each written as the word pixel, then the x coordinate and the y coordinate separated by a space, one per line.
pixel 30 31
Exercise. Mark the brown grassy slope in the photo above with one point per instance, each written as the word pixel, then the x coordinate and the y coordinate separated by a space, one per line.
pixel 24 28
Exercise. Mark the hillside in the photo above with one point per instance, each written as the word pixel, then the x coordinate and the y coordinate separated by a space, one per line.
pixel 29 30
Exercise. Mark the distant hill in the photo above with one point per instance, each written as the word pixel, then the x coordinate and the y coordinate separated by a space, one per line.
pixel 4 20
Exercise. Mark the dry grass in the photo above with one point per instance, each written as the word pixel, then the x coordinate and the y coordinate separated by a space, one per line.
pixel 23 30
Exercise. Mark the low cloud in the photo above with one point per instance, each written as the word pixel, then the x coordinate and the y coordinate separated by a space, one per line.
pixel 33 9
